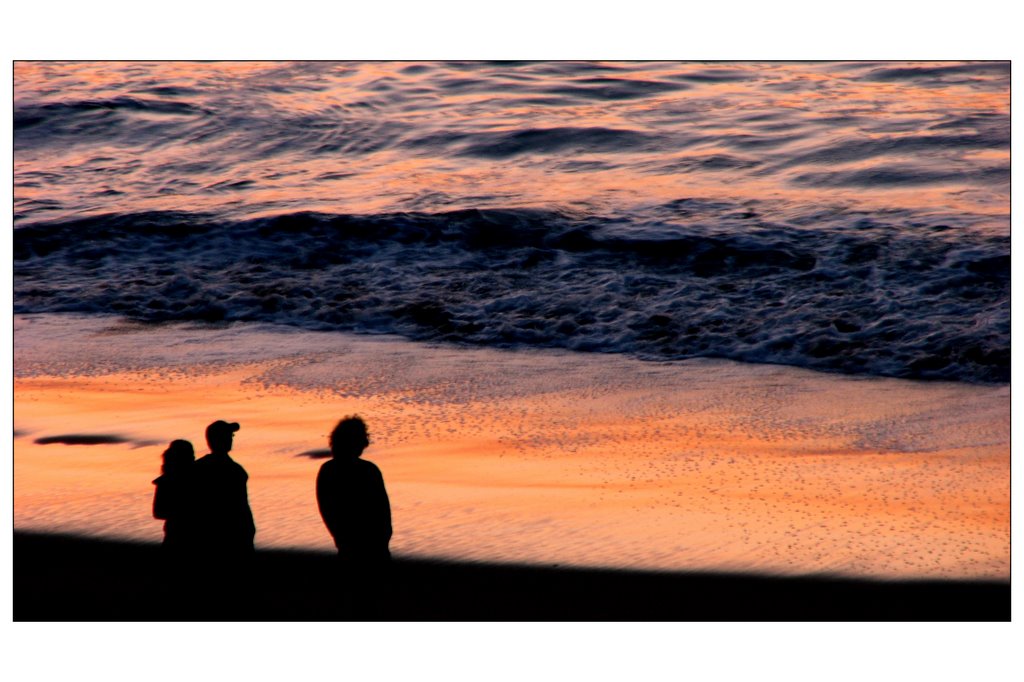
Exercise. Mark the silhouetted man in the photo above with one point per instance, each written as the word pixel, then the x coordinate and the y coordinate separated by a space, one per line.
pixel 224 522
pixel 352 499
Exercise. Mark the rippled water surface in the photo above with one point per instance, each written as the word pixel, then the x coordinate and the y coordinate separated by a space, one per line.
pixel 247 139
pixel 845 216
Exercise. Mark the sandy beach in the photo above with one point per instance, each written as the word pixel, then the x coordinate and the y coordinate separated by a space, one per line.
pixel 535 458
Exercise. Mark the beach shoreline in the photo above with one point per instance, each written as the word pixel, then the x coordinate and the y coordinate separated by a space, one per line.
pixel 524 457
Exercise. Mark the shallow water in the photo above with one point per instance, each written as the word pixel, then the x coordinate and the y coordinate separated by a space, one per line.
pixel 851 217
pixel 542 457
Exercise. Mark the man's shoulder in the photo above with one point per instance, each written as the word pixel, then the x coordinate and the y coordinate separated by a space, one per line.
pixel 209 462
pixel 368 467
pixel 347 468
pixel 212 462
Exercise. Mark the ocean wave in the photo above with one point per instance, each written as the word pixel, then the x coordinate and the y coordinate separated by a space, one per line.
pixel 943 73
pixel 907 297
pixel 902 176
pixel 847 151
pixel 245 139
pixel 843 216
pixel 95 120
pixel 500 145
pixel 612 89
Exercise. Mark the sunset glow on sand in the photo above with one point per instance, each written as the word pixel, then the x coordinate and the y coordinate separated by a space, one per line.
pixel 547 458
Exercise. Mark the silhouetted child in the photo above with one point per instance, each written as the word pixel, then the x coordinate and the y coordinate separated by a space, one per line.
pixel 352 499
pixel 172 500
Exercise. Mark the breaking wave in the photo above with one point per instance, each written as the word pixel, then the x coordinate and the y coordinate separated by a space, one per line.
pixel 884 295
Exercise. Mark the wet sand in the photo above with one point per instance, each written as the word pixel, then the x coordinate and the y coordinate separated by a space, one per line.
pixel 531 458
pixel 63 578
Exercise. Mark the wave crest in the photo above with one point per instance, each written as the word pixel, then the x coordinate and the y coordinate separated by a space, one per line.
pixel 868 298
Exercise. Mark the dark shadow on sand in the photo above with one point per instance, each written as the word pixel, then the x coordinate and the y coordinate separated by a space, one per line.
pixel 83 439
pixel 66 578
pixel 316 454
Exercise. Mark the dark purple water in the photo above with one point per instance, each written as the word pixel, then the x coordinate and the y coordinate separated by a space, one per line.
pixel 851 217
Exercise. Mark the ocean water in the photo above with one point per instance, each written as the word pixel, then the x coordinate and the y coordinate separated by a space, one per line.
pixel 848 217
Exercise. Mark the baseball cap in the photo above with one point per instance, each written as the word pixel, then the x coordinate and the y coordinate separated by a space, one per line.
pixel 221 426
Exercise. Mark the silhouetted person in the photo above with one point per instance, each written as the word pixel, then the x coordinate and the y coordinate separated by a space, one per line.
pixel 172 500
pixel 224 525
pixel 352 499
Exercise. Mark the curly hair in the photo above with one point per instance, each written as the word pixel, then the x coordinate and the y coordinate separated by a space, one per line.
pixel 349 436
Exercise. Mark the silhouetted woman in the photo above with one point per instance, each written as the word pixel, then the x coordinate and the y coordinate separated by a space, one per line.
pixel 352 499
pixel 173 498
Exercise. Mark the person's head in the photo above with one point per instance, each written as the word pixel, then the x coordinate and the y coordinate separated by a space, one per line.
pixel 220 435
pixel 178 455
pixel 349 438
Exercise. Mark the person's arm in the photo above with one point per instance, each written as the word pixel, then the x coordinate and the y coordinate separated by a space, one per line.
pixel 325 499
pixel 385 508
pixel 243 509
pixel 249 520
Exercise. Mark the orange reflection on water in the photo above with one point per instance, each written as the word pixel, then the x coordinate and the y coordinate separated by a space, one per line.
pixel 362 124
pixel 570 460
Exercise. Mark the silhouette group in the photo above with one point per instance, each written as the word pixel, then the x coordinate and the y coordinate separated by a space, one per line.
pixel 205 502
